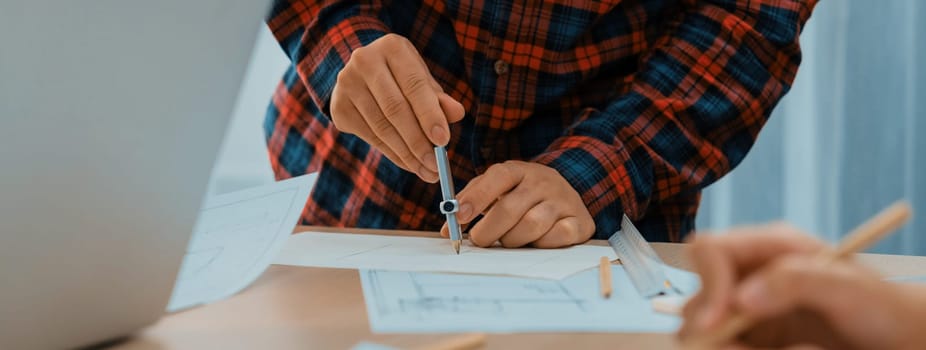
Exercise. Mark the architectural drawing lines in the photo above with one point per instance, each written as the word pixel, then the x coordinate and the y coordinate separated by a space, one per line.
pixel 426 294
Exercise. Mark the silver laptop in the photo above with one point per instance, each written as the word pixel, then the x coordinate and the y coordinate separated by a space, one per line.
pixel 111 113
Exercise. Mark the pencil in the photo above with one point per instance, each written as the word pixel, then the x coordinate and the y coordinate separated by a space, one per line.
pixel 858 240
pixel 462 342
pixel 604 276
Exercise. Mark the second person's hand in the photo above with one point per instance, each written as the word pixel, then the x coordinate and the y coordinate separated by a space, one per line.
pixel 386 96
pixel 768 273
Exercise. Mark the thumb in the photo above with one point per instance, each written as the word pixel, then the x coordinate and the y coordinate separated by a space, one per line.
pixel 453 109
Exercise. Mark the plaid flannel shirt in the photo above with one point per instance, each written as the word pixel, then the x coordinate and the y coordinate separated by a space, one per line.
pixel 639 104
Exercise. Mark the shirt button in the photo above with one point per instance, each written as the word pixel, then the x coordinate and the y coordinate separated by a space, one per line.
pixel 501 67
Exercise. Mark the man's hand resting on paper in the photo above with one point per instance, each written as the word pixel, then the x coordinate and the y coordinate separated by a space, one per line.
pixel 768 273
pixel 386 96
pixel 524 204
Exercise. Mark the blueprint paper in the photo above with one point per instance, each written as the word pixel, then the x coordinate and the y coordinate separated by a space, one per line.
pixel 235 238
pixel 399 253
pixel 416 302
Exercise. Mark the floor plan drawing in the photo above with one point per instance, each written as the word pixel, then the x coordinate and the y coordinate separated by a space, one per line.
pixel 235 238
pixel 404 302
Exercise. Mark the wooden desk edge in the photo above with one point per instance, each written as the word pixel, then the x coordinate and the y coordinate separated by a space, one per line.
pixel 272 312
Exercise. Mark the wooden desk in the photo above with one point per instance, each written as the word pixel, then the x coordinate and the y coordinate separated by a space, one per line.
pixel 317 308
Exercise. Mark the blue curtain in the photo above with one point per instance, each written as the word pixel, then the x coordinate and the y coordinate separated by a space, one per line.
pixel 847 140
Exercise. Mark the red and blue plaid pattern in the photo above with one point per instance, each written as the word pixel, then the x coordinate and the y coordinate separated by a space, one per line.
pixel 639 104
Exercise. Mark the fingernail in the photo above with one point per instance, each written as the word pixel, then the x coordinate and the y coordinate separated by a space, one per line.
pixel 754 294
pixel 465 211
pixel 439 135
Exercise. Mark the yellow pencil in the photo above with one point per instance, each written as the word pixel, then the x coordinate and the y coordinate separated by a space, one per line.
pixel 604 276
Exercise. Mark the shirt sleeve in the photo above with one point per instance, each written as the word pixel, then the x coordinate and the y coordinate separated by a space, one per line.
pixel 690 113
pixel 320 35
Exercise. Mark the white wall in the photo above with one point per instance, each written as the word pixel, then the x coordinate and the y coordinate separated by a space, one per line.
pixel 243 160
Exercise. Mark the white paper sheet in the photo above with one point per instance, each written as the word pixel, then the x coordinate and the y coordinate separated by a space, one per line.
pixel 236 237
pixel 415 302
pixel 398 253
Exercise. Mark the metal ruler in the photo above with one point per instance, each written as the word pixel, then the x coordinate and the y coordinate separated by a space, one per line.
pixel 640 261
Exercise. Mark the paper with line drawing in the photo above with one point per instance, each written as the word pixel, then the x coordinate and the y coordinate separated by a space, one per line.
pixel 414 302
pixel 235 238
pixel 399 253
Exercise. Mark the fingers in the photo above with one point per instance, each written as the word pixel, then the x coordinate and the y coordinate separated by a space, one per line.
pixel 717 271
pixel 415 83
pixel 453 109
pixel 375 142
pixel 690 313
pixel 483 190
pixel 565 232
pixel 853 301
pixel 504 215
pixel 753 246
pixel 534 224
pixel 399 116
pixel 771 275
pixel 723 260
pixel 385 136
pixel 801 281
pixel 413 112
pixel 524 203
